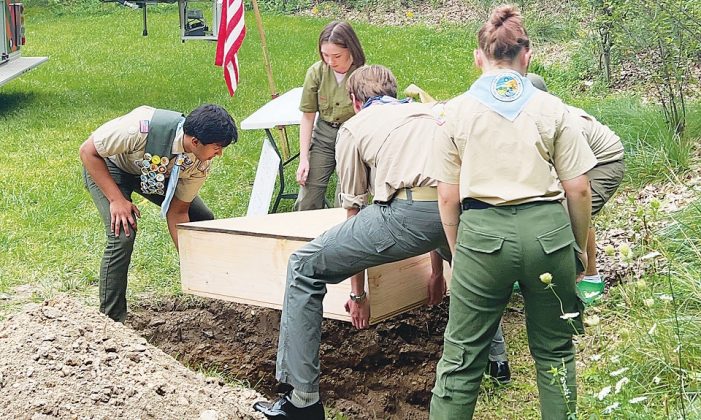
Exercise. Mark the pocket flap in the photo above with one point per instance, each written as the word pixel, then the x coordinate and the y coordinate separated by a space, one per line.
pixel 556 239
pixel 480 242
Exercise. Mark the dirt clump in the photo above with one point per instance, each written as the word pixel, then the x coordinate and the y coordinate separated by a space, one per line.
pixel 62 360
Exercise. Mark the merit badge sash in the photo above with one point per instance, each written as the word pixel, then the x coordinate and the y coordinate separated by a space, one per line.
pixel 506 93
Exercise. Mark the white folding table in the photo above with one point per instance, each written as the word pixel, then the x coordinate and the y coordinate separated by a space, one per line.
pixel 281 111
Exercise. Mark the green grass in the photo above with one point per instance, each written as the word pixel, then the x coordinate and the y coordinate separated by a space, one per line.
pixel 101 67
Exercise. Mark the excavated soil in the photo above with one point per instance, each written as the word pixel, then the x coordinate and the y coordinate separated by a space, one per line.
pixel 386 371
pixel 63 360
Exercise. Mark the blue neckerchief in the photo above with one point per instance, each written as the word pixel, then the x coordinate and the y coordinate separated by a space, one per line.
pixel 174 175
pixel 385 100
pixel 505 93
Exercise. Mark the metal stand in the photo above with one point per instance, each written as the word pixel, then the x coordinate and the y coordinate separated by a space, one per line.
pixel 281 173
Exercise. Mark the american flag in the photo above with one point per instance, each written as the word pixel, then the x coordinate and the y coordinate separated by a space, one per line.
pixel 232 31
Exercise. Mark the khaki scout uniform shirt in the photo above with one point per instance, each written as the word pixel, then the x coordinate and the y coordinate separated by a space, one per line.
pixel 322 93
pixel 382 149
pixel 507 163
pixel 122 141
pixel 605 144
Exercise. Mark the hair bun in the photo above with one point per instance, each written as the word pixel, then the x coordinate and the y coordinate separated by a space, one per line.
pixel 501 14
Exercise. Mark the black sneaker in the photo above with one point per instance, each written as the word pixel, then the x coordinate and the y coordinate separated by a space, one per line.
pixel 284 409
pixel 499 371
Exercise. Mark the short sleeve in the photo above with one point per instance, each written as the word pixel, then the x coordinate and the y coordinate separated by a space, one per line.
pixel 445 161
pixel 572 156
pixel 118 136
pixel 353 174
pixel 310 98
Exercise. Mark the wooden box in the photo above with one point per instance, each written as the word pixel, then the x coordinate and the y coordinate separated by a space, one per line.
pixel 244 260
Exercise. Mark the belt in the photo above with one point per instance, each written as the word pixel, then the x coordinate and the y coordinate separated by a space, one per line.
pixel 417 194
pixel 472 204
pixel 332 124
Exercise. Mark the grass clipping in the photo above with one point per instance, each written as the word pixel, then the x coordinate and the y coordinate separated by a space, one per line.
pixel 63 360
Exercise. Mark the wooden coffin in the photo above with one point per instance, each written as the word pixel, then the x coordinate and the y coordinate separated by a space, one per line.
pixel 244 260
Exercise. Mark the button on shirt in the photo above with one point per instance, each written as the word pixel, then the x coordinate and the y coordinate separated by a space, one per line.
pixel 324 94
pixel 383 148
pixel 122 141
pixel 507 163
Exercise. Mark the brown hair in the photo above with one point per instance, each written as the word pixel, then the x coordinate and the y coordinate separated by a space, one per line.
pixel 503 36
pixel 369 81
pixel 343 35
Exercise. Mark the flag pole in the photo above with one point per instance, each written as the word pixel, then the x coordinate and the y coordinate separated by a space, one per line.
pixel 269 71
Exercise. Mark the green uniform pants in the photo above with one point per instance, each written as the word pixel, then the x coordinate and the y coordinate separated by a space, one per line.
pixel 117 255
pixel 322 163
pixel 495 247
pixel 378 234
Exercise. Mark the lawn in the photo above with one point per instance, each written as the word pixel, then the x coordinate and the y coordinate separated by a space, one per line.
pixel 101 67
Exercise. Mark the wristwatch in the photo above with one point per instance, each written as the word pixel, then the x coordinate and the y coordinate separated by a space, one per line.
pixel 358 298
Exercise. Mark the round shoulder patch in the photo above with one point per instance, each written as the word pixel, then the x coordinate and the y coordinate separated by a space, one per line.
pixel 507 87
pixel 132 130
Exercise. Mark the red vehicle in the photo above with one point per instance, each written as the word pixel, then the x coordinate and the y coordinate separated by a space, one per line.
pixel 12 64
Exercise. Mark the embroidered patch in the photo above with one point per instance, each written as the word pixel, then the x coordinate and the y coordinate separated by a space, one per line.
pixel 143 126
pixel 507 87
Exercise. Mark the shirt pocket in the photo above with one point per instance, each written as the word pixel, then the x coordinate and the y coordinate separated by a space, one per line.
pixel 324 103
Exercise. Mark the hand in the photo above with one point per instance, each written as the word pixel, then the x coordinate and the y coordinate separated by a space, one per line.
pixel 123 214
pixel 302 171
pixel 582 258
pixel 360 313
pixel 437 288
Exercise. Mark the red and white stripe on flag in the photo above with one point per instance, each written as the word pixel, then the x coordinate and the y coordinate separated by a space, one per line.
pixel 232 31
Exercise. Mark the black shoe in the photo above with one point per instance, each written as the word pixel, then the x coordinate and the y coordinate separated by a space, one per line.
pixel 499 371
pixel 284 409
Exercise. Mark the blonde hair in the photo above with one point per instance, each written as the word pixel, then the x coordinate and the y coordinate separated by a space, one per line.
pixel 374 80
pixel 503 36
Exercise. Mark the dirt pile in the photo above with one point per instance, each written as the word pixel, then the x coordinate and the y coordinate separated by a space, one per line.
pixel 61 360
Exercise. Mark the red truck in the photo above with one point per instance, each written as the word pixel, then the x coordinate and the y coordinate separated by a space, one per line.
pixel 12 64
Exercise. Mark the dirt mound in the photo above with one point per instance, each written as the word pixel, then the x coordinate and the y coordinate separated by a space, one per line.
pixel 384 372
pixel 61 360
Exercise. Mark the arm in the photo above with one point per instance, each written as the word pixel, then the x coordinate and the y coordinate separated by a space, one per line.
pixel 177 213
pixel 123 213
pixel 305 141
pixel 436 283
pixel 578 195
pixel 449 206
pixel 359 311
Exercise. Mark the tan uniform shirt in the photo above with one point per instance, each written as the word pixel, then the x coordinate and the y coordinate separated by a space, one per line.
pixel 605 144
pixel 505 163
pixel 322 93
pixel 122 141
pixel 383 148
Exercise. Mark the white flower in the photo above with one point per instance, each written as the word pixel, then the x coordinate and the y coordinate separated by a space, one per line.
pixel 569 315
pixel 657 380
pixel 665 298
pixel 650 256
pixel 641 284
pixel 652 329
pixel 615 359
pixel 621 382
pixel 603 393
pixel 649 302
pixel 592 320
pixel 637 400
pixel 595 357
pixel 676 350
pixel 546 278
pixel 611 407
pixel 609 250
pixel 619 371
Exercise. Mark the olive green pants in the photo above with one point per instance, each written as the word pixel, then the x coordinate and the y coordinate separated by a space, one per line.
pixel 117 255
pixel 495 247
pixel 322 163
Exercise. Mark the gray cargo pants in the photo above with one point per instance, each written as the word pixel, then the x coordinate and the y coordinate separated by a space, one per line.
pixel 378 234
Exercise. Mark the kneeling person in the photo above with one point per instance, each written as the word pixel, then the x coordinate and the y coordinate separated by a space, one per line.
pixel 382 151
pixel 160 155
